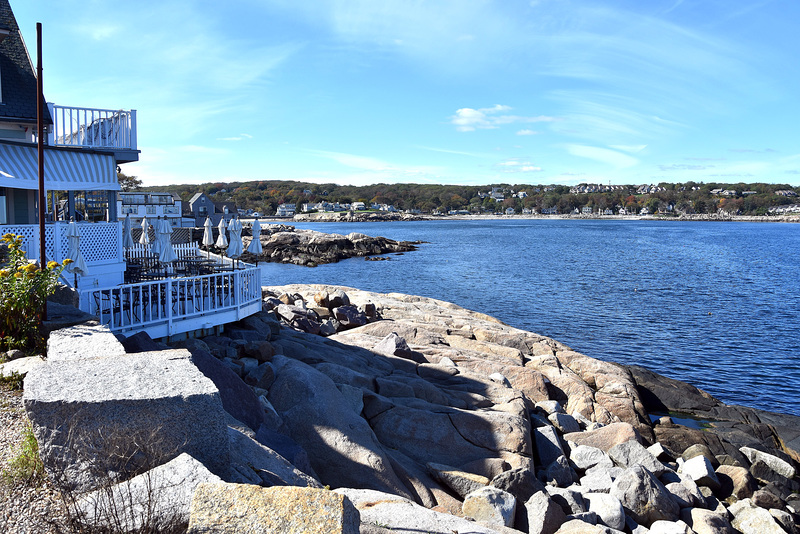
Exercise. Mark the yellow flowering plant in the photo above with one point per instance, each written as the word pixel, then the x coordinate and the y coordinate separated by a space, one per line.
pixel 24 288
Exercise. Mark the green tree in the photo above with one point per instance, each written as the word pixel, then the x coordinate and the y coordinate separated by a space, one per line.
pixel 128 183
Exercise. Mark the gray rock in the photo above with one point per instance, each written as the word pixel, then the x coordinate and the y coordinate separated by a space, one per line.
pixel 585 457
pixel 699 469
pixel 563 422
pixel 550 407
pixel 401 516
pixel 461 482
pixel 256 510
pixel 705 521
pixel 261 377
pixel 559 473
pixel 349 316
pixel 700 449
pixel 20 366
pixel 542 515
pixel 766 499
pixel 604 437
pixel 519 482
pixel 597 481
pixel 83 342
pixel 491 506
pixel 247 454
pixel 394 345
pixel 570 500
pixel 736 481
pixel 670 527
pixel 156 500
pixel 680 494
pixel 488 467
pixel 632 453
pixel 608 509
pixel 750 519
pixel 778 465
pixel 128 413
pixel 785 520
pixel 645 498
pixel 548 444
pixel 342 447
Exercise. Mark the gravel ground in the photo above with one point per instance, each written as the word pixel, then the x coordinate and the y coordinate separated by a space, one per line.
pixel 24 509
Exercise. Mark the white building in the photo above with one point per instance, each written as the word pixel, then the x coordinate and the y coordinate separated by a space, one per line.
pixel 152 205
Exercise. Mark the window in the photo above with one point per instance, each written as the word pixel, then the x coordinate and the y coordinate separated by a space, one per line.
pixel 151 210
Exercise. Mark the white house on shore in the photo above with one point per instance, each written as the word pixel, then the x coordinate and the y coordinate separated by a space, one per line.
pixel 84 147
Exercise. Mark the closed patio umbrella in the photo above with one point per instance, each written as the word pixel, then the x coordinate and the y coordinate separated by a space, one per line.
pixel 235 248
pixel 127 238
pixel 255 245
pixel 166 253
pixel 222 240
pixel 208 238
pixel 78 265
pixel 155 245
pixel 144 239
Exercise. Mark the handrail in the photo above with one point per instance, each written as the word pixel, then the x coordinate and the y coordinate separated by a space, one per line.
pixel 93 127
pixel 175 305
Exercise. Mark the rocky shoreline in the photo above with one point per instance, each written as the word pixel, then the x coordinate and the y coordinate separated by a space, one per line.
pixel 381 217
pixel 422 416
pixel 286 244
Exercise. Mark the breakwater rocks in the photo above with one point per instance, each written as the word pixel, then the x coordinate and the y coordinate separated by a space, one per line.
pixel 420 415
pixel 286 244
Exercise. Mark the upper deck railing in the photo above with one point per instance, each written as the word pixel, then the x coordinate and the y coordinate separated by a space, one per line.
pixel 93 128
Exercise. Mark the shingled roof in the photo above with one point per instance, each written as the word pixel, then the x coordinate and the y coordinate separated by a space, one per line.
pixel 16 72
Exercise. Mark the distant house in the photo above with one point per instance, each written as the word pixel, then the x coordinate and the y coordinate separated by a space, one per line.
pixel 358 206
pixel 510 211
pixel 202 206
pixel 586 210
pixel 285 210
pixel 150 205
pixel 550 211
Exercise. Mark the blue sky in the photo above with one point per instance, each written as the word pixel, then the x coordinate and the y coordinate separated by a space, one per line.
pixel 451 91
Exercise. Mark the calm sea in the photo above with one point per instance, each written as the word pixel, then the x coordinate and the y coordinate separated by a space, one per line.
pixel 714 304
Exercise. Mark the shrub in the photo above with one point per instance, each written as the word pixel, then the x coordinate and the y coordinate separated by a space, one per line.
pixel 25 466
pixel 24 288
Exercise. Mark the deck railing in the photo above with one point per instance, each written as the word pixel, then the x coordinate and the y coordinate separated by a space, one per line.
pixel 93 128
pixel 176 305
pixel 100 242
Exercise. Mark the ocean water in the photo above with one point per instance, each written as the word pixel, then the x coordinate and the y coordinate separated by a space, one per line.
pixel 715 304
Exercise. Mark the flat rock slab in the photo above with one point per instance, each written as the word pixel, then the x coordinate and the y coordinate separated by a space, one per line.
pixel 235 508
pixel 83 342
pixel 131 412
pixel 401 516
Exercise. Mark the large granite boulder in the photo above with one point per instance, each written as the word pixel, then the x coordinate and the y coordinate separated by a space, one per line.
pixel 644 497
pixel 155 501
pixel 125 415
pixel 235 508
pixel 342 448
pixel 401 516
pixel 83 341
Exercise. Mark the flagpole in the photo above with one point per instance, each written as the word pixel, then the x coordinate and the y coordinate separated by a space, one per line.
pixel 40 147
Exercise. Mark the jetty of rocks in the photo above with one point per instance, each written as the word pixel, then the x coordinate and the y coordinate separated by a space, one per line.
pixel 340 410
pixel 287 244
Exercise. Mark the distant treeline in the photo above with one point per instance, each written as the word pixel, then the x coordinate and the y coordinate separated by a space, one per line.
pixel 688 197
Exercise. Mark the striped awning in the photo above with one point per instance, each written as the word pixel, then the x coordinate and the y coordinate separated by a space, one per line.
pixel 64 169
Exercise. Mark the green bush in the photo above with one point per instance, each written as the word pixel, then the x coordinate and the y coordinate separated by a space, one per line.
pixel 25 466
pixel 24 288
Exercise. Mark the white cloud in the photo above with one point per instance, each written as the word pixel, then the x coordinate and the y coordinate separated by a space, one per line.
pixel 610 157
pixel 527 132
pixel 469 119
pixel 239 137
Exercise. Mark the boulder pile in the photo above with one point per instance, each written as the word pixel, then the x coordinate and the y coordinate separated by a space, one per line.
pixel 423 417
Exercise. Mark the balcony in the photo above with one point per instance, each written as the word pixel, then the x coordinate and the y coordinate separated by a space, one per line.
pixel 100 129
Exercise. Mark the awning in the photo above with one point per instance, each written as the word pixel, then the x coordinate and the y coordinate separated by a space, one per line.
pixel 64 169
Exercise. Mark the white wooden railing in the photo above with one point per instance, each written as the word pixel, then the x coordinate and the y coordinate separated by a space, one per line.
pixel 176 305
pixel 93 128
